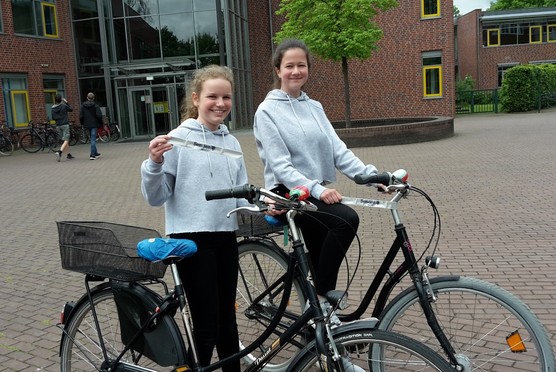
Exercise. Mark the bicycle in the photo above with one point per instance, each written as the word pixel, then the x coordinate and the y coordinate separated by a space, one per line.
pixel 40 137
pixel 115 132
pixel 122 324
pixel 475 324
pixel 6 145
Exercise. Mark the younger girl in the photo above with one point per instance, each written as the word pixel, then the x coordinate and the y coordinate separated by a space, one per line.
pixel 177 177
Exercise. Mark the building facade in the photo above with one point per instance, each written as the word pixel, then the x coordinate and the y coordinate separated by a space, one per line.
pixel 490 42
pixel 137 56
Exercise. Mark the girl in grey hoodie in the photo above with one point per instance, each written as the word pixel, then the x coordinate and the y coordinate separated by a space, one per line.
pixel 177 177
pixel 299 147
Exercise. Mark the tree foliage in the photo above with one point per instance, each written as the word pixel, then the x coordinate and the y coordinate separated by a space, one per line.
pixel 521 4
pixel 337 30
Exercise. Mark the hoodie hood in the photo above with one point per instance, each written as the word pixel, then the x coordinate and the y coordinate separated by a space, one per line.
pixel 89 104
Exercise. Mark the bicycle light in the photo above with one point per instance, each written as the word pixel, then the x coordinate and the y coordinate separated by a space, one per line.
pixel 432 261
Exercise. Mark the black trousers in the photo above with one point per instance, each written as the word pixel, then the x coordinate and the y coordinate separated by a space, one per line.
pixel 210 281
pixel 328 233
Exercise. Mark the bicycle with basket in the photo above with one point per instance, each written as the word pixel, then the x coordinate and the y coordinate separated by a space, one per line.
pixel 125 320
pixel 476 325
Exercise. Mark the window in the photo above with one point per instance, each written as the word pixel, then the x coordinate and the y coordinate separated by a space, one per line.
pixel 34 17
pixel 502 68
pixel 493 37
pixel 16 101
pixel 432 74
pixel 551 33
pixel 1 24
pixel 52 85
pixel 430 8
pixel 535 34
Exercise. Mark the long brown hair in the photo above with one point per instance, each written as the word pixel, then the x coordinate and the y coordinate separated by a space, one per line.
pixel 278 55
pixel 187 108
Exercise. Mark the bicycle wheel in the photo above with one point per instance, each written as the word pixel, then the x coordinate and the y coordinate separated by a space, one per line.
pixel 374 350
pixel 6 146
pixel 74 137
pixel 53 141
pixel 484 323
pixel 260 265
pixel 31 143
pixel 114 132
pixel 103 135
pixel 80 349
pixel 83 134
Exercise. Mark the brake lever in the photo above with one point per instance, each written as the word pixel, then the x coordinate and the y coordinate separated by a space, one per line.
pixel 255 209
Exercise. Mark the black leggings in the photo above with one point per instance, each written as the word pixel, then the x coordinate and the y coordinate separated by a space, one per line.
pixel 210 281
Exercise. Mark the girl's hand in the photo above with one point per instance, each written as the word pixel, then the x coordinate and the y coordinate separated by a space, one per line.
pixel 331 196
pixel 158 146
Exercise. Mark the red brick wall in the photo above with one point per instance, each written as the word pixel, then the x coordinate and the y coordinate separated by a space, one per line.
pixel 387 85
pixel 26 55
pixel 468 45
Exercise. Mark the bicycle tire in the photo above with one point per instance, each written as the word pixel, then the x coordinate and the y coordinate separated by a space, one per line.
pixel 476 316
pixel 6 146
pixel 74 138
pixel 80 349
pixel 31 143
pixel 53 141
pixel 254 256
pixel 83 135
pixel 378 351
pixel 114 132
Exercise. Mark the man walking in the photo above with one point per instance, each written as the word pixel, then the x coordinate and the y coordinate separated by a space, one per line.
pixel 60 111
pixel 90 117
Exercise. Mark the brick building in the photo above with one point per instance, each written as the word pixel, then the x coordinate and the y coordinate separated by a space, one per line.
pixel 490 42
pixel 137 57
pixel 389 84
pixel 36 60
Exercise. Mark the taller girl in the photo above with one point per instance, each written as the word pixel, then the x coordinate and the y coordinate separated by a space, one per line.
pixel 299 147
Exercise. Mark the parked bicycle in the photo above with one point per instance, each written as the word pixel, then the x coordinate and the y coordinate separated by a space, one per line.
pixel 475 324
pixel 40 137
pixel 6 145
pixel 122 324
pixel 115 132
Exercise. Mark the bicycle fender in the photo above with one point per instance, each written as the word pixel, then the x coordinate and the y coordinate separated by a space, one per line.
pixel 367 325
pixel 67 317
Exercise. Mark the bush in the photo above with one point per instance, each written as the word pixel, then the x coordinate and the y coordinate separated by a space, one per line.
pixel 528 87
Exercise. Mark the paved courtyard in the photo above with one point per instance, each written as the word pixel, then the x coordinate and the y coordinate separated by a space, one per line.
pixel 493 183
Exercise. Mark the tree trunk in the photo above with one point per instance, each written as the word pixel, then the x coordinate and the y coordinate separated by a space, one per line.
pixel 346 92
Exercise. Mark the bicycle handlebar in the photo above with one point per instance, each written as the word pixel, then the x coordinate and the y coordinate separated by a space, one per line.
pixel 245 191
pixel 385 178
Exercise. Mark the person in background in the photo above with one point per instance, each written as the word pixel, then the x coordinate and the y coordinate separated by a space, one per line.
pixel 299 147
pixel 60 111
pixel 90 117
pixel 177 177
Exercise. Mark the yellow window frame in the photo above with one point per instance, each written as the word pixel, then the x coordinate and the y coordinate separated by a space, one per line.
pixel 493 33
pixel 437 14
pixel 54 19
pixel 426 69
pixel 531 28
pixel 18 123
pixel 549 30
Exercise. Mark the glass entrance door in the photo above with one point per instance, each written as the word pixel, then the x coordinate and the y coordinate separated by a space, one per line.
pixel 163 108
pixel 141 115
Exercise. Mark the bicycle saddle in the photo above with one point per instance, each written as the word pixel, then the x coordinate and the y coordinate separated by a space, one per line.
pixel 158 249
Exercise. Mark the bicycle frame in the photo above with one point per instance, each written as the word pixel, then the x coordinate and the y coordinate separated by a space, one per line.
pixel 409 266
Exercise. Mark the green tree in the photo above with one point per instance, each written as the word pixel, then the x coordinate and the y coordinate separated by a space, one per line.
pixel 457 12
pixel 520 4
pixel 337 30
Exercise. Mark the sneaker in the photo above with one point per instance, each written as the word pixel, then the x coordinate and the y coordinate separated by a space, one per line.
pixel 92 158
pixel 70 156
pixel 58 156
pixel 349 366
pixel 97 155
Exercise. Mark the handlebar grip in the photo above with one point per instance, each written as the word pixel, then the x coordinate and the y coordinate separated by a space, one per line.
pixel 383 178
pixel 245 191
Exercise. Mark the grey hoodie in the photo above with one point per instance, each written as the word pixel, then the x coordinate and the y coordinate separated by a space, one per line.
pixel 180 182
pixel 298 145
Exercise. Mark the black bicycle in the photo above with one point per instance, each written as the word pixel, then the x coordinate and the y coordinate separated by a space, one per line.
pixel 477 325
pixel 6 145
pixel 40 137
pixel 122 324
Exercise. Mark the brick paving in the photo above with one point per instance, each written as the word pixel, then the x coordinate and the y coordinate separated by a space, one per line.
pixel 493 183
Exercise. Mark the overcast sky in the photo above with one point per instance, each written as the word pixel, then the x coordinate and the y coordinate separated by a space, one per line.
pixel 465 6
